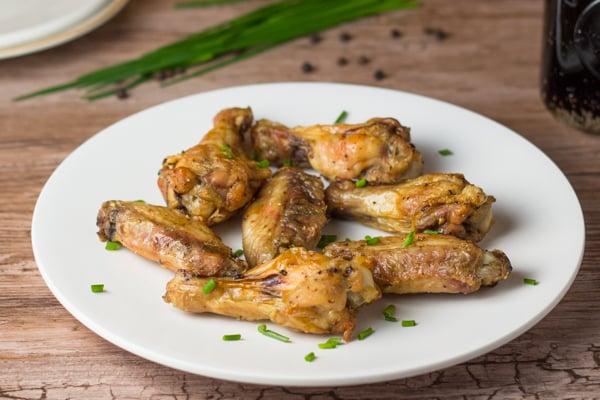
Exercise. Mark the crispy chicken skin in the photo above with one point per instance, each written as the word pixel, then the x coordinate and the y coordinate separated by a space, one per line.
pixel 299 289
pixel 378 150
pixel 168 237
pixel 447 203
pixel 432 263
pixel 214 179
pixel 289 211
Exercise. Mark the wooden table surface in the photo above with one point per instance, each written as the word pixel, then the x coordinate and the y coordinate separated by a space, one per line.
pixel 487 60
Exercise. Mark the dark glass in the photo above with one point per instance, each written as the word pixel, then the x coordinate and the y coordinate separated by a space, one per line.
pixel 571 62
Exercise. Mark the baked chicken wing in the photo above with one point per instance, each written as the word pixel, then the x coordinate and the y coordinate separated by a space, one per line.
pixel 299 289
pixel 168 237
pixel 447 203
pixel 214 179
pixel 378 150
pixel 289 211
pixel 431 263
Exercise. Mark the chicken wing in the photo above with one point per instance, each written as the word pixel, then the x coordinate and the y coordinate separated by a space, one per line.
pixel 214 179
pixel 168 237
pixel 289 211
pixel 378 150
pixel 299 289
pixel 431 263
pixel 447 203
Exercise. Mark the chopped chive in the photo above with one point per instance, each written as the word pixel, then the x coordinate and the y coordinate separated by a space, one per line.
pixel 209 286
pixel 408 322
pixel 229 338
pixel 262 328
pixel 262 163
pixel 139 201
pixel 530 281
pixel 341 117
pixel 97 288
pixel 238 253
pixel 112 246
pixel 431 231
pixel 227 151
pixel 388 313
pixel 331 343
pixel 371 241
pixel 287 163
pixel 409 239
pixel 325 240
pixel 310 357
pixel 365 334
pixel 445 152
pixel 361 183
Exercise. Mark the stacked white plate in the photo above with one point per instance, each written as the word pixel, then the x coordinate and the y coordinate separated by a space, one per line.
pixel 28 26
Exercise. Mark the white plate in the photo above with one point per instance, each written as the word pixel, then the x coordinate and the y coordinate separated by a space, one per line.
pixel 27 26
pixel 539 225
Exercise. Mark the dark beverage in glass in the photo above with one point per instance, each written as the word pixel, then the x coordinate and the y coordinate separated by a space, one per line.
pixel 570 84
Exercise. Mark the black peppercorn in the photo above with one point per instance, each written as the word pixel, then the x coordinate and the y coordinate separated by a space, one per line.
pixel 395 33
pixel 439 34
pixel 345 37
pixel 159 75
pixel 307 67
pixel 364 60
pixel 342 61
pixel 122 93
pixel 379 75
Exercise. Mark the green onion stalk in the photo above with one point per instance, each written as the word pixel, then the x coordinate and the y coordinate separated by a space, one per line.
pixel 226 43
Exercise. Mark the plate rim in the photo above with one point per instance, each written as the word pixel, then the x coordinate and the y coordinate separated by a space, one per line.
pixel 69 33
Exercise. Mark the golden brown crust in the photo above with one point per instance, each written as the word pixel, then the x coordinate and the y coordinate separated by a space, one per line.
pixel 447 203
pixel 289 211
pixel 214 179
pixel 431 263
pixel 299 289
pixel 168 237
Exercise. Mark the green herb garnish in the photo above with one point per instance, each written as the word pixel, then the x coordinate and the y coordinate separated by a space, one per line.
pixel 112 246
pixel 209 286
pixel 431 231
pixel 262 328
pixel 530 281
pixel 310 357
pixel 371 241
pixel 331 343
pixel 408 322
pixel 262 164
pixel 229 338
pixel 225 43
pixel 361 183
pixel 226 150
pixel 97 288
pixel 325 240
pixel 365 334
pixel 409 239
pixel 238 253
pixel 388 313
pixel 341 117
pixel 445 152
